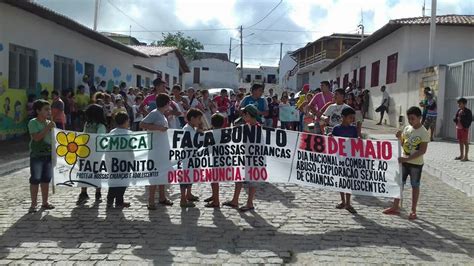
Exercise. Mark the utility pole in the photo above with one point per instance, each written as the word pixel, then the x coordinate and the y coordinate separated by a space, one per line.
pixel 241 55
pixel 281 49
pixel 130 36
pixel 423 9
pixel 230 48
pixel 96 12
pixel 432 33
pixel 361 25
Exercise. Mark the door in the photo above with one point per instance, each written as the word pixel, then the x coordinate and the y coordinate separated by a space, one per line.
pixel 89 71
pixel 139 81
pixel 459 83
pixel 197 75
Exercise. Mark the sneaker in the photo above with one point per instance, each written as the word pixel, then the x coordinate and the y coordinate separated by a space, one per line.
pixel 98 196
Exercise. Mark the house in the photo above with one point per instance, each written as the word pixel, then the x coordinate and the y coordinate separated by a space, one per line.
pixel 287 71
pixel 168 62
pixel 316 55
pixel 401 46
pixel 262 74
pixel 123 39
pixel 41 49
pixel 212 70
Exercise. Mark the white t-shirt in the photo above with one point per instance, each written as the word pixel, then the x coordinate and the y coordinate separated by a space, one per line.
pixel 157 118
pixel 193 103
pixel 120 131
pixel 189 128
pixel 137 116
pixel 131 99
pixel 385 96
pixel 117 97
pixel 333 112
pixel 87 90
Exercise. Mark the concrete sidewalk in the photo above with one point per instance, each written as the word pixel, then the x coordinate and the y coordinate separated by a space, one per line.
pixel 439 160
pixel 14 155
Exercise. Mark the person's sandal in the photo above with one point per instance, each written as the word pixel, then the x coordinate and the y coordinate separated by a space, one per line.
pixel 32 210
pixel 246 209
pixel 464 160
pixel 229 204
pixel 47 207
pixel 193 198
pixel 412 216
pixel 391 211
pixel 208 199
pixel 166 202
pixel 457 158
pixel 124 205
pixel 340 206
pixel 212 205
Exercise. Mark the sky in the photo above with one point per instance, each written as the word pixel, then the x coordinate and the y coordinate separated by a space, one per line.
pixel 266 23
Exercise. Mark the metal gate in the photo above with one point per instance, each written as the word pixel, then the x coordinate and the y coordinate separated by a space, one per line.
pixel 459 83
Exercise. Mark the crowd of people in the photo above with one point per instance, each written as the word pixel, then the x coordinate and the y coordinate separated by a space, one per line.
pixel 326 110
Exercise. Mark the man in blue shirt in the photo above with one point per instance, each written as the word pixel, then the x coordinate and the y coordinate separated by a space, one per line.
pixel 256 99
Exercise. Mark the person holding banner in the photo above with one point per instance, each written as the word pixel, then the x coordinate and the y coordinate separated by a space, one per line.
pixel 194 118
pixel 95 123
pixel 414 139
pixel 249 115
pixel 156 121
pixel 40 154
pixel 332 115
pixel 116 193
pixel 346 130
pixel 217 122
pixel 319 101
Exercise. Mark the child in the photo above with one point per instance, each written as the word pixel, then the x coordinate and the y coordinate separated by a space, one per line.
pixel 116 193
pixel 40 154
pixel 96 124
pixel 137 114
pixel 109 108
pixel 217 122
pixel 463 120
pixel 156 120
pixel 29 107
pixel 57 111
pixel 414 139
pixel 346 130
pixel 249 115
pixel 194 118
pixel 332 115
pixel 119 107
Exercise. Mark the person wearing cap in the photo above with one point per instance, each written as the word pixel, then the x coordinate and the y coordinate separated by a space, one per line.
pixel 250 115
pixel 319 101
pixel 256 99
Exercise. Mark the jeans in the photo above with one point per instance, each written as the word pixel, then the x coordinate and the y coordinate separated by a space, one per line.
pixel 41 170
pixel 117 194
pixel 414 171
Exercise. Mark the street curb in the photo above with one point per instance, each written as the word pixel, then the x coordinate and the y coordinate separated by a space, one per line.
pixel 453 182
pixel 8 168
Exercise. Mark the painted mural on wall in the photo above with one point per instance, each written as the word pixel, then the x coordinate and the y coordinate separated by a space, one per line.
pixel 102 70
pixel 45 63
pixel 79 68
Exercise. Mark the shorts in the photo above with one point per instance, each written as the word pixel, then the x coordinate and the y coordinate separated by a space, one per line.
pixel 414 171
pixel 463 134
pixel 41 170
pixel 184 186
pixel 430 122
pixel 358 117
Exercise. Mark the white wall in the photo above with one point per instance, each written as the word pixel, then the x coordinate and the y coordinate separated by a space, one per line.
pixel 287 64
pixel 411 43
pixel 49 39
pixel 221 74
pixel 167 64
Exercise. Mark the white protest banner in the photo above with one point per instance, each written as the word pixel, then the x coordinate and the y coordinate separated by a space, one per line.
pixel 236 154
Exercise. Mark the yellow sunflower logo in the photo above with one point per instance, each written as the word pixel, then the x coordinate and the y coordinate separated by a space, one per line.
pixel 72 146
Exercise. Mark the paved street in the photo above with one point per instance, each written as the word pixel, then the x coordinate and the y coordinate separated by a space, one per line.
pixel 291 224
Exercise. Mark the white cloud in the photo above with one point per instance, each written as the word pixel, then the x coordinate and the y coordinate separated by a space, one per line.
pixel 192 12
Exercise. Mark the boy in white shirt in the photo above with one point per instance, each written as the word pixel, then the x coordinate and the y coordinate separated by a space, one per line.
pixel 332 116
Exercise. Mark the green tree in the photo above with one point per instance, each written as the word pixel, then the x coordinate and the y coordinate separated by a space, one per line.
pixel 187 45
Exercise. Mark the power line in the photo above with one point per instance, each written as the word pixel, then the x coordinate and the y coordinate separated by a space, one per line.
pixel 268 14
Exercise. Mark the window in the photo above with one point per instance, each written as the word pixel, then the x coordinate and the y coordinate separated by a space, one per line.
pixel 272 79
pixel 23 68
pixel 248 78
pixel 205 69
pixel 258 77
pixel 338 80
pixel 175 80
pixel 147 82
pixel 167 79
pixel 345 81
pixel 362 77
pixel 392 61
pixel 63 73
pixel 374 75
pixel 139 80
pixel 354 76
